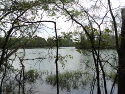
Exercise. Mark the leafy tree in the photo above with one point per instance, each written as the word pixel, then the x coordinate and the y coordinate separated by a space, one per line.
pixel 82 14
pixel 41 42
pixel 19 20
pixel 36 42
pixel 65 40
pixel 50 42
pixel 15 21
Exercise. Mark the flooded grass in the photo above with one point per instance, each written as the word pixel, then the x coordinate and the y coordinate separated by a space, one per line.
pixel 69 80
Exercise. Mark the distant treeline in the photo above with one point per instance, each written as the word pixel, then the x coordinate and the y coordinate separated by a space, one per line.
pixel 36 42
pixel 107 42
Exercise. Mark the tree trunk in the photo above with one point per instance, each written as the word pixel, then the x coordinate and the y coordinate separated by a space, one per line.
pixel 121 70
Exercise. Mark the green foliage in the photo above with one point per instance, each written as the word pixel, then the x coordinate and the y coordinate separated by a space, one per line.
pixel 69 80
pixel 36 42
pixel 65 40
pixel 31 75
pixel 50 42
pixel 62 59
pixel 10 87
pixel 107 40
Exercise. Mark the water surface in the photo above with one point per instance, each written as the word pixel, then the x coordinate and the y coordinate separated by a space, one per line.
pixel 70 60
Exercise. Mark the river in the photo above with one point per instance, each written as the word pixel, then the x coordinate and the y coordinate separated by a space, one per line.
pixel 70 61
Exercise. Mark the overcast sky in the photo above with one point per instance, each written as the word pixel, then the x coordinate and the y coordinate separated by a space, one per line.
pixel 65 26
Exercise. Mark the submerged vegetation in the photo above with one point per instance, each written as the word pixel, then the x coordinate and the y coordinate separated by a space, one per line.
pixel 17 84
pixel 76 80
pixel 97 25
pixel 32 75
pixel 70 80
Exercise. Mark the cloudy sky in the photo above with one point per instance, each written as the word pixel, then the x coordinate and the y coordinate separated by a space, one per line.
pixel 47 30
pixel 65 26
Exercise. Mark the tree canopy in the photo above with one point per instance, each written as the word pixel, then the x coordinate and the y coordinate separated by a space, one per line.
pixel 95 21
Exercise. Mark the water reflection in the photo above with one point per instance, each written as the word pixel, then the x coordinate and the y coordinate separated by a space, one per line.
pixel 75 76
pixel 17 83
pixel 70 80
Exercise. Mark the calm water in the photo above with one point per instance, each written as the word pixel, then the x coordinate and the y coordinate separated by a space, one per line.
pixel 43 60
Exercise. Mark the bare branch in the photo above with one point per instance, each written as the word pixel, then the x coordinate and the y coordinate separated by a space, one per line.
pixel 115 25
